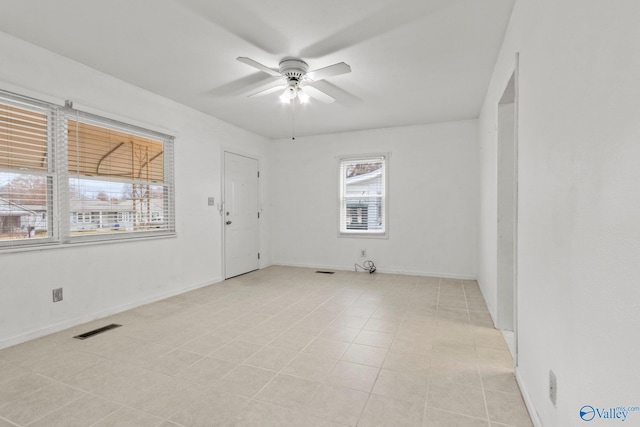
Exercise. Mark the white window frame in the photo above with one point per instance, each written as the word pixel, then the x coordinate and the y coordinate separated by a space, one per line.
pixel 58 215
pixel 50 175
pixel 343 230
pixel 168 226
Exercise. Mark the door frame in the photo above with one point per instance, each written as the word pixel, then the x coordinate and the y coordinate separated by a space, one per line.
pixel 223 206
pixel 516 118
pixel 501 323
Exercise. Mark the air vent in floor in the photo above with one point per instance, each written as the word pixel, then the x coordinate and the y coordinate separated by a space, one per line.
pixel 96 331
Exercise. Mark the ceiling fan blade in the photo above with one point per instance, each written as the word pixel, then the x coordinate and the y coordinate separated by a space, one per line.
pixel 342 96
pixel 318 94
pixel 253 81
pixel 268 90
pixel 241 21
pixel 382 21
pixel 330 71
pixel 259 66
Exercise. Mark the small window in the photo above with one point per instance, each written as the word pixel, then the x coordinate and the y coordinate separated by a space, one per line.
pixel 363 195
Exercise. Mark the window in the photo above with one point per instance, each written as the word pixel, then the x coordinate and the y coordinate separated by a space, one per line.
pixel 27 172
pixel 111 180
pixel 363 195
pixel 119 177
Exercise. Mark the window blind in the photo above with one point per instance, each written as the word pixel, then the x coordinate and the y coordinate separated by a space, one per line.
pixel 69 176
pixel 363 195
pixel 27 171
pixel 120 178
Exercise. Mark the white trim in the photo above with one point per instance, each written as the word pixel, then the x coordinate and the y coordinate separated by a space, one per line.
pixel 533 414
pixel 509 339
pixel 18 339
pixel 29 93
pixel 234 150
pixel 491 308
pixel 44 97
pixel 83 108
pixel 491 311
pixel 363 234
pixel 378 270
pixel 516 143
pixel 46 246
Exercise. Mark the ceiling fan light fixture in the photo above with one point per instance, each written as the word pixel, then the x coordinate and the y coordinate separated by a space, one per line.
pixel 288 94
pixel 303 96
pixel 285 97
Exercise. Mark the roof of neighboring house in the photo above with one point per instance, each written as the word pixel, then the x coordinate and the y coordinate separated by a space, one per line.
pixel 9 208
pixel 364 177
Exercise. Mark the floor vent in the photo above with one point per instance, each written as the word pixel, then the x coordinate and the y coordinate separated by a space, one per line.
pixel 96 331
pixel 325 272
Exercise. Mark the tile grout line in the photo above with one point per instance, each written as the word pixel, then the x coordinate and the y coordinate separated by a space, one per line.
pixel 475 349
pixel 364 407
pixel 87 393
pixel 426 398
pixel 393 296
pixel 254 397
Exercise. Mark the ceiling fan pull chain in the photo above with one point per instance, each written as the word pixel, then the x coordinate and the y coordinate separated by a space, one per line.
pixel 293 119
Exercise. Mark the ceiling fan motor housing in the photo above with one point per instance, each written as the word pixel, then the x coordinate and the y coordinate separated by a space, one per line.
pixel 293 69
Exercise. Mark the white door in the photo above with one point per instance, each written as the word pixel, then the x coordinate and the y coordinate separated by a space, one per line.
pixel 240 215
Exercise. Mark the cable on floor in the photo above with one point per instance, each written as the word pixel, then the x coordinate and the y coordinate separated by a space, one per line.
pixel 366 266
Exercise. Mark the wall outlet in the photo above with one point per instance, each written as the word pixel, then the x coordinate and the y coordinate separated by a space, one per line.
pixel 363 253
pixel 57 294
pixel 553 387
pixel 211 201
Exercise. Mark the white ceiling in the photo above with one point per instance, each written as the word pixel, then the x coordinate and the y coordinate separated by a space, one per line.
pixel 413 61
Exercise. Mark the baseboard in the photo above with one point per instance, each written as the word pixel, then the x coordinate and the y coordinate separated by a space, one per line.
pixel 535 418
pixel 18 339
pixel 379 270
pixel 490 308
pixel 316 266
pixel 428 274
pixel 510 339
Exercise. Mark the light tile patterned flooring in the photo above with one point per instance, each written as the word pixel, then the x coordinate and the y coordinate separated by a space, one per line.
pixel 278 347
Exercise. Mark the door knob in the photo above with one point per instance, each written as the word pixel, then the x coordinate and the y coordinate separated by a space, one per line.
pixel 228 222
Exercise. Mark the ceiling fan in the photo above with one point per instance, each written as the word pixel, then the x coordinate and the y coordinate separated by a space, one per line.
pixel 293 79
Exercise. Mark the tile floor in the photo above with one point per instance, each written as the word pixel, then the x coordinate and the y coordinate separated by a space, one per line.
pixel 278 347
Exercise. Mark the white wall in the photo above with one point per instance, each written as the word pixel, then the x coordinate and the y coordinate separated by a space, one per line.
pixel 579 203
pixel 432 200
pixel 101 279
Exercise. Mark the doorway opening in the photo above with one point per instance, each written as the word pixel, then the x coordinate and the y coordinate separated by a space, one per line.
pixel 507 214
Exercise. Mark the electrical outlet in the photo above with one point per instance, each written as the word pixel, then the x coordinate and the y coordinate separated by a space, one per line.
pixel 57 294
pixel 363 253
pixel 211 201
pixel 553 387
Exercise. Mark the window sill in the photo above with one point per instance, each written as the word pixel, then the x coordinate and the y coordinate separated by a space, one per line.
pixel 79 243
pixel 364 235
